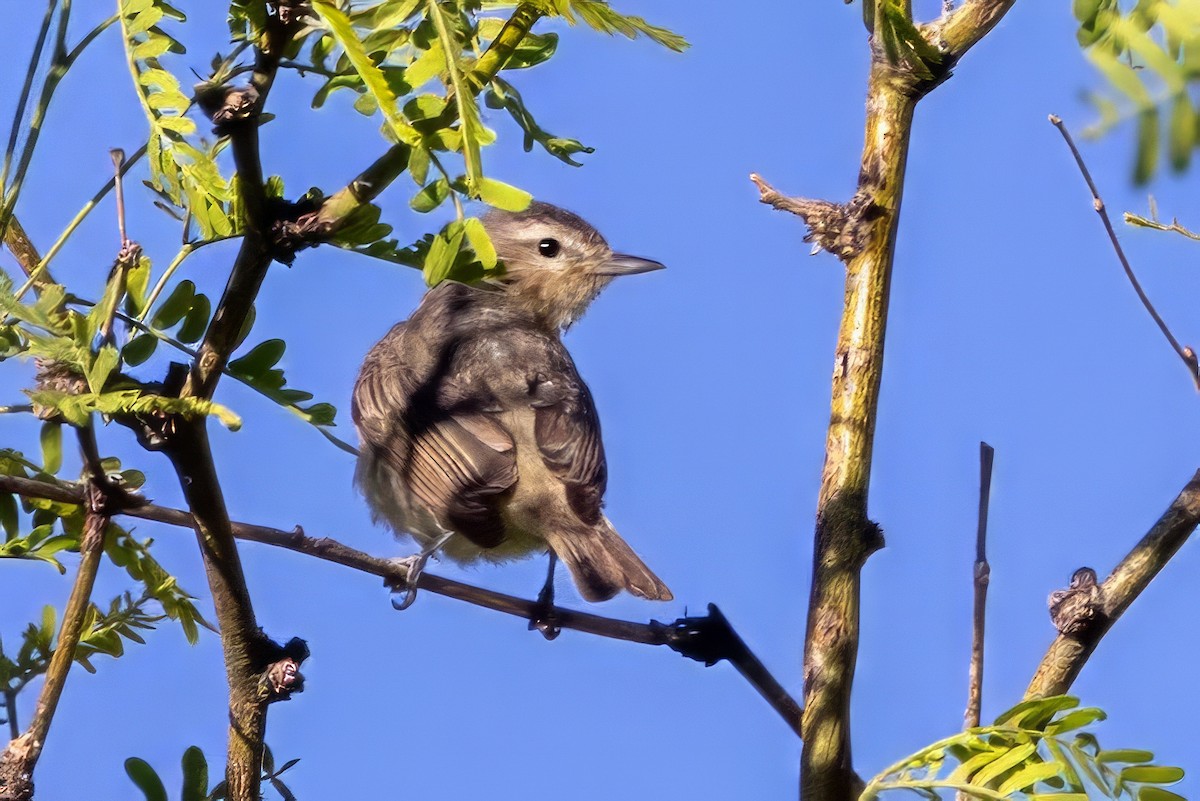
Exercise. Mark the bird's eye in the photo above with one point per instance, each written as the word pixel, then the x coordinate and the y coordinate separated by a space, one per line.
pixel 549 248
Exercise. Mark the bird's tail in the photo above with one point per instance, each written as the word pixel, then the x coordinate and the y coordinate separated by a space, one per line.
pixel 602 564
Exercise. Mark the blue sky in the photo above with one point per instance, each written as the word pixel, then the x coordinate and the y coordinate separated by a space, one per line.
pixel 1010 322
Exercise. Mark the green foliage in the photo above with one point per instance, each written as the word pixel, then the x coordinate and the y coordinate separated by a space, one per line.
pixel 1036 749
pixel 54 527
pixel 195 777
pixel 183 170
pixel 389 52
pixel 1149 53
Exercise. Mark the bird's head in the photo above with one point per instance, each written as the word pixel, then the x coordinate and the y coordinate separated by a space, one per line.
pixel 555 263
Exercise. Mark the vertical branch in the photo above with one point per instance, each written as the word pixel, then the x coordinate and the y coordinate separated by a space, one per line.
pixel 10 714
pixel 248 654
pixel 845 537
pixel 20 757
pixel 245 648
pixel 983 573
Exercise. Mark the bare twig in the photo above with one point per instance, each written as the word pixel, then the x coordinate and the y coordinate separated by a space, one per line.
pixel 827 222
pixel 1185 353
pixel 128 256
pixel 707 639
pixel 118 159
pixel 982 575
pixel 1069 652
pixel 19 759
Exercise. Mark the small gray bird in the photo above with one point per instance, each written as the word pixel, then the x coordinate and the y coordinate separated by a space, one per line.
pixel 478 436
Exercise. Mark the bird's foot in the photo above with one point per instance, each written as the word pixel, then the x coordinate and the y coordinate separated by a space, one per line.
pixel 405 592
pixel 545 616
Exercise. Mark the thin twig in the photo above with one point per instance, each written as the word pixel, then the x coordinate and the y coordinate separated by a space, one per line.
pixel 1174 227
pixel 687 635
pixel 19 759
pixel 1185 353
pixel 26 87
pixel 1069 652
pixel 982 575
pixel 118 160
pixel 127 257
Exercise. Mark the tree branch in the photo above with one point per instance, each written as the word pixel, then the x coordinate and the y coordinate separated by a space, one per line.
pixel 845 537
pixel 709 639
pixel 247 652
pixel 19 759
pixel 1186 354
pixel 960 30
pixel 318 226
pixel 982 573
pixel 1069 652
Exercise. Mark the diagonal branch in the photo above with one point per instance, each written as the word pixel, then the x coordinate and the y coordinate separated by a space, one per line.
pixel 960 30
pixel 709 639
pixel 19 759
pixel 1186 354
pixel 318 226
pixel 1069 652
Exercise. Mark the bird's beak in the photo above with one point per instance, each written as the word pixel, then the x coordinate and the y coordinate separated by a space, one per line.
pixel 621 264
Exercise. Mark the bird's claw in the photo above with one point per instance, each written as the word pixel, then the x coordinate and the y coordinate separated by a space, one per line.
pixel 545 616
pixel 405 592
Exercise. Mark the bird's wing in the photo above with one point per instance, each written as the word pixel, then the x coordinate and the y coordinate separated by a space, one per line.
pixel 567 429
pixel 454 463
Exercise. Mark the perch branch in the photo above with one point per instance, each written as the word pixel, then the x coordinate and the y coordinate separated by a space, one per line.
pixel 1068 653
pixel 709 639
pixel 1185 353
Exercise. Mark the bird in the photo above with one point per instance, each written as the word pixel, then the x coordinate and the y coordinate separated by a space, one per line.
pixel 478 436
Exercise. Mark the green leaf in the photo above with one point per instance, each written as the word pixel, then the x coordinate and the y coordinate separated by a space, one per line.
pixel 195 775
pixel 372 76
pixel 1127 755
pixel 442 254
pixel 602 17
pixel 503 196
pixel 969 767
pixel 481 243
pixel 1152 793
pixel 1037 712
pixel 139 349
pixel 431 196
pixel 262 357
pixel 427 66
pixel 9 520
pixel 1075 720
pixel 137 280
pixel 1182 137
pixel 196 321
pixel 1007 761
pixel 146 779
pixel 1028 776
pixel 1147 146
pixel 1152 774
pixel 102 366
pixel 51 447
pixel 177 304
